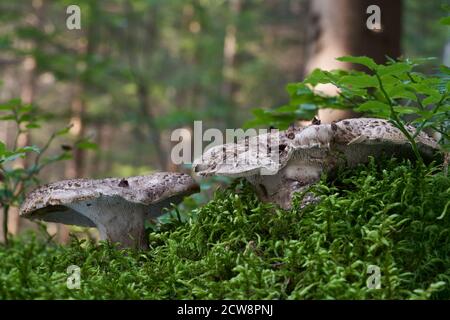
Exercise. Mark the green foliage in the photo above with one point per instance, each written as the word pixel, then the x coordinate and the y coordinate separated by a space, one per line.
pixel 445 20
pixel 175 51
pixel 15 181
pixel 416 39
pixel 392 91
pixel 393 216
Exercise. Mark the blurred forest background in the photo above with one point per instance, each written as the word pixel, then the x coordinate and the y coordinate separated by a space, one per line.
pixel 138 69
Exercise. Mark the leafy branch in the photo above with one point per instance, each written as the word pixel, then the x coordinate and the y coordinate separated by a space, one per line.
pixel 392 91
pixel 14 182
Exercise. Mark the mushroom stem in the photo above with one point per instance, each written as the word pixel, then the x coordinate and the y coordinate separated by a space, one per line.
pixel 116 220
pixel 282 194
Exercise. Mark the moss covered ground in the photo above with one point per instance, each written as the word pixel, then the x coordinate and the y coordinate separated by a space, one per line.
pixel 394 216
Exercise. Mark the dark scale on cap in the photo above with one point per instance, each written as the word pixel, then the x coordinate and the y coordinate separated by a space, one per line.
pixel 334 126
pixel 316 121
pixel 124 183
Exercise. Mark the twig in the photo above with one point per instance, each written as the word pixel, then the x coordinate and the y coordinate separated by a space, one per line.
pixel 396 120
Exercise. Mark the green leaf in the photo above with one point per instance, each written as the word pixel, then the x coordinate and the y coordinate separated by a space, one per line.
pixel 2 148
pixel 63 131
pixel 400 92
pixel 25 108
pixel 424 88
pixel 30 149
pixel 308 107
pixel 373 106
pixel 7 118
pixel 431 100
pixel 318 76
pixel 405 110
pixel 12 156
pixel 13 103
pixel 445 21
pixel 288 108
pixel 444 69
pixel 363 60
pixel 359 81
pixel 6 107
pixel 27 117
pixel 32 125
pixel 394 69
pixel 297 89
pixel 86 145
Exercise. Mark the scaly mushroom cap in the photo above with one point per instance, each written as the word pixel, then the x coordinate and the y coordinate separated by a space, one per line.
pixel 247 158
pixel 117 207
pixel 300 155
pixel 266 153
pixel 145 190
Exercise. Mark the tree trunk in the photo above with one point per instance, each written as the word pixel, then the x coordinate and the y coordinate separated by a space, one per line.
pixel 229 57
pixel 154 133
pixel 75 168
pixel 338 28
pixel 27 95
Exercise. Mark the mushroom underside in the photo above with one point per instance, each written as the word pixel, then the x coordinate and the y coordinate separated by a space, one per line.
pixel 280 188
pixel 117 207
pixel 116 220
pixel 306 167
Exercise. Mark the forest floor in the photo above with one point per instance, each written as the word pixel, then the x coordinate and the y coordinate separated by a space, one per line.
pixel 377 225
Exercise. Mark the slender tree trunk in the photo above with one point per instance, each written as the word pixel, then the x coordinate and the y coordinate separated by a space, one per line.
pixel 154 133
pixel 78 104
pixel 338 28
pixel 76 168
pixel 105 139
pixel 141 39
pixel 27 95
pixel 229 57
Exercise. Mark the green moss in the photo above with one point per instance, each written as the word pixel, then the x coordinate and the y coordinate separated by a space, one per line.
pixel 394 217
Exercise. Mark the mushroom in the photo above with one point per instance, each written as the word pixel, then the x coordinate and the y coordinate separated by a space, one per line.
pixel 300 155
pixel 117 207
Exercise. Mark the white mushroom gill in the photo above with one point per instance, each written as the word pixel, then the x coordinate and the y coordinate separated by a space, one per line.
pixel 117 220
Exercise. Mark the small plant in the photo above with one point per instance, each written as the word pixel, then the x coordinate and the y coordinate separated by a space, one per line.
pixel 393 91
pixel 15 181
